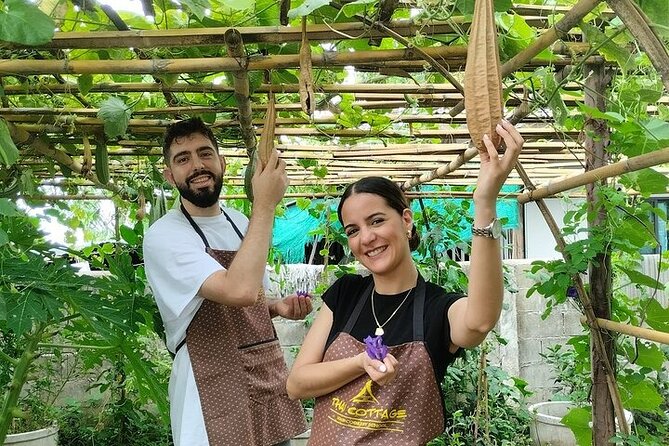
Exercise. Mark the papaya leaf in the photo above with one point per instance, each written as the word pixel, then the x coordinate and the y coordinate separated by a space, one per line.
pixel 8 151
pixel 306 8
pixel 22 22
pixel 115 116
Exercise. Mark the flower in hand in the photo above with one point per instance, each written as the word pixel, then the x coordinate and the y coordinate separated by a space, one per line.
pixel 375 347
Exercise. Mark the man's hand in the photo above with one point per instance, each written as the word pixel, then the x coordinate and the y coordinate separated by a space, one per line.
pixel 293 307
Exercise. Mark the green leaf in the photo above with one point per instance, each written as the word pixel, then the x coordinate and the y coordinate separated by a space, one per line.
pixel 128 235
pixel 85 82
pixel 307 162
pixel 657 317
pixel 356 7
pixel 197 7
pixel 647 355
pixel 8 151
pixel 321 171
pixel 3 309
pixel 238 5
pixel 658 13
pixel 115 116
pixel 642 279
pixel 641 395
pixel 4 238
pixel 23 22
pixel 607 47
pixel 647 181
pixel 578 420
pixel 657 129
pixel 8 208
pixel 306 8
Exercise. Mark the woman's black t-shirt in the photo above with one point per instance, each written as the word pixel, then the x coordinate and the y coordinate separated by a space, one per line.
pixel 343 295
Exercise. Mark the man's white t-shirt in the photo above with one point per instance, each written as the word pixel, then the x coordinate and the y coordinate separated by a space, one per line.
pixel 176 266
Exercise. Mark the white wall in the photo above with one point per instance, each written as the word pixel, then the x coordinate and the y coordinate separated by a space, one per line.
pixel 539 241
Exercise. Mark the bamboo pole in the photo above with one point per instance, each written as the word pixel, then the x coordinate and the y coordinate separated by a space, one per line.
pixel 631 330
pixel 218 64
pixel 425 55
pixel 629 165
pixel 189 37
pixel 529 133
pixel 207 87
pixel 236 50
pixel 306 194
pixel 41 146
pixel 637 24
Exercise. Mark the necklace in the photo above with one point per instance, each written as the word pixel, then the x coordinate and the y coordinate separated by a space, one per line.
pixel 379 327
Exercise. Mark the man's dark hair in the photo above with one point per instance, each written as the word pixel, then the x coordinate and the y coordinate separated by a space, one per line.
pixel 183 128
pixel 385 189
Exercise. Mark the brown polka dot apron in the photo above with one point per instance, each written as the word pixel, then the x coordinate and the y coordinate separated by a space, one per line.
pixel 407 411
pixel 239 369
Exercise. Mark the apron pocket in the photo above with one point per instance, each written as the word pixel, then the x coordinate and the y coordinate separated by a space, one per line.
pixel 265 369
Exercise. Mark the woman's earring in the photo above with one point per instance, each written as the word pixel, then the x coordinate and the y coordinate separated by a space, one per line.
pixel 409 234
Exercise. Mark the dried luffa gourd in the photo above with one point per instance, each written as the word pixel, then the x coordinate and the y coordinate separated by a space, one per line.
pixel 483 80
pixel 264 148
pixel 306 81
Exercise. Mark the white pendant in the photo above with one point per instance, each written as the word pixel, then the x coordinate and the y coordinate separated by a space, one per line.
pixel 379 331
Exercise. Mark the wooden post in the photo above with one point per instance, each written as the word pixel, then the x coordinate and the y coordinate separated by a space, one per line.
pixel 599 269
pixel 235 46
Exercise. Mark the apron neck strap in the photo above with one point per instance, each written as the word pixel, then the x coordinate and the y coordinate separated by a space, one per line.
pixel 418 309
pixel 199 231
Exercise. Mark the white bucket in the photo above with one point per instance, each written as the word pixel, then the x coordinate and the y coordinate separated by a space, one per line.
pixel 546 428
pixel 41 437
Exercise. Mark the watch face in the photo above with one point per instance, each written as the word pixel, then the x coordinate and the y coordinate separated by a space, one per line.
pixel 496 228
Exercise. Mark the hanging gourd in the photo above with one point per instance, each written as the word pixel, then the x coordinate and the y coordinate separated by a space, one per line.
pixel 87 160
pixel 306 81
pixel 264 148
pixel 483 79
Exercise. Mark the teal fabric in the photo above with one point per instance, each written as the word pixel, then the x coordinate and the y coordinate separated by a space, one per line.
pixel 295 228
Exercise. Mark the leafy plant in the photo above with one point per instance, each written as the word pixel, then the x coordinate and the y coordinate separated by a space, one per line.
pixel 507 420
pixel 46 306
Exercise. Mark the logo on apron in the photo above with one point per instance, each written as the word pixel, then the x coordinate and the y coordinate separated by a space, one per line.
pixel 364 412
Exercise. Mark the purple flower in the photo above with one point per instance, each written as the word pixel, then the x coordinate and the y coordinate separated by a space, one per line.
pixel 302 293
pixel 375 347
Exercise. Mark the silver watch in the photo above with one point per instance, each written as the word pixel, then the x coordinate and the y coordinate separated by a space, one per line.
pixel 493 230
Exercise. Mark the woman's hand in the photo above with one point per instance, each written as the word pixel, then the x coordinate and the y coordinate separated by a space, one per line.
pixel 495 169
pixel 381 372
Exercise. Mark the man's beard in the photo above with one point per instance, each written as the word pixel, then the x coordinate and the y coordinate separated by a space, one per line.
pixel 204 197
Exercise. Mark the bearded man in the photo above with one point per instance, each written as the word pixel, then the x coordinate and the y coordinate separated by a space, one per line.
pixel 206 266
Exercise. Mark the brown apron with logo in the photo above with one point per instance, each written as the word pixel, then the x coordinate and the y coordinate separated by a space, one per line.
pixel 239 369
pixel 407 411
